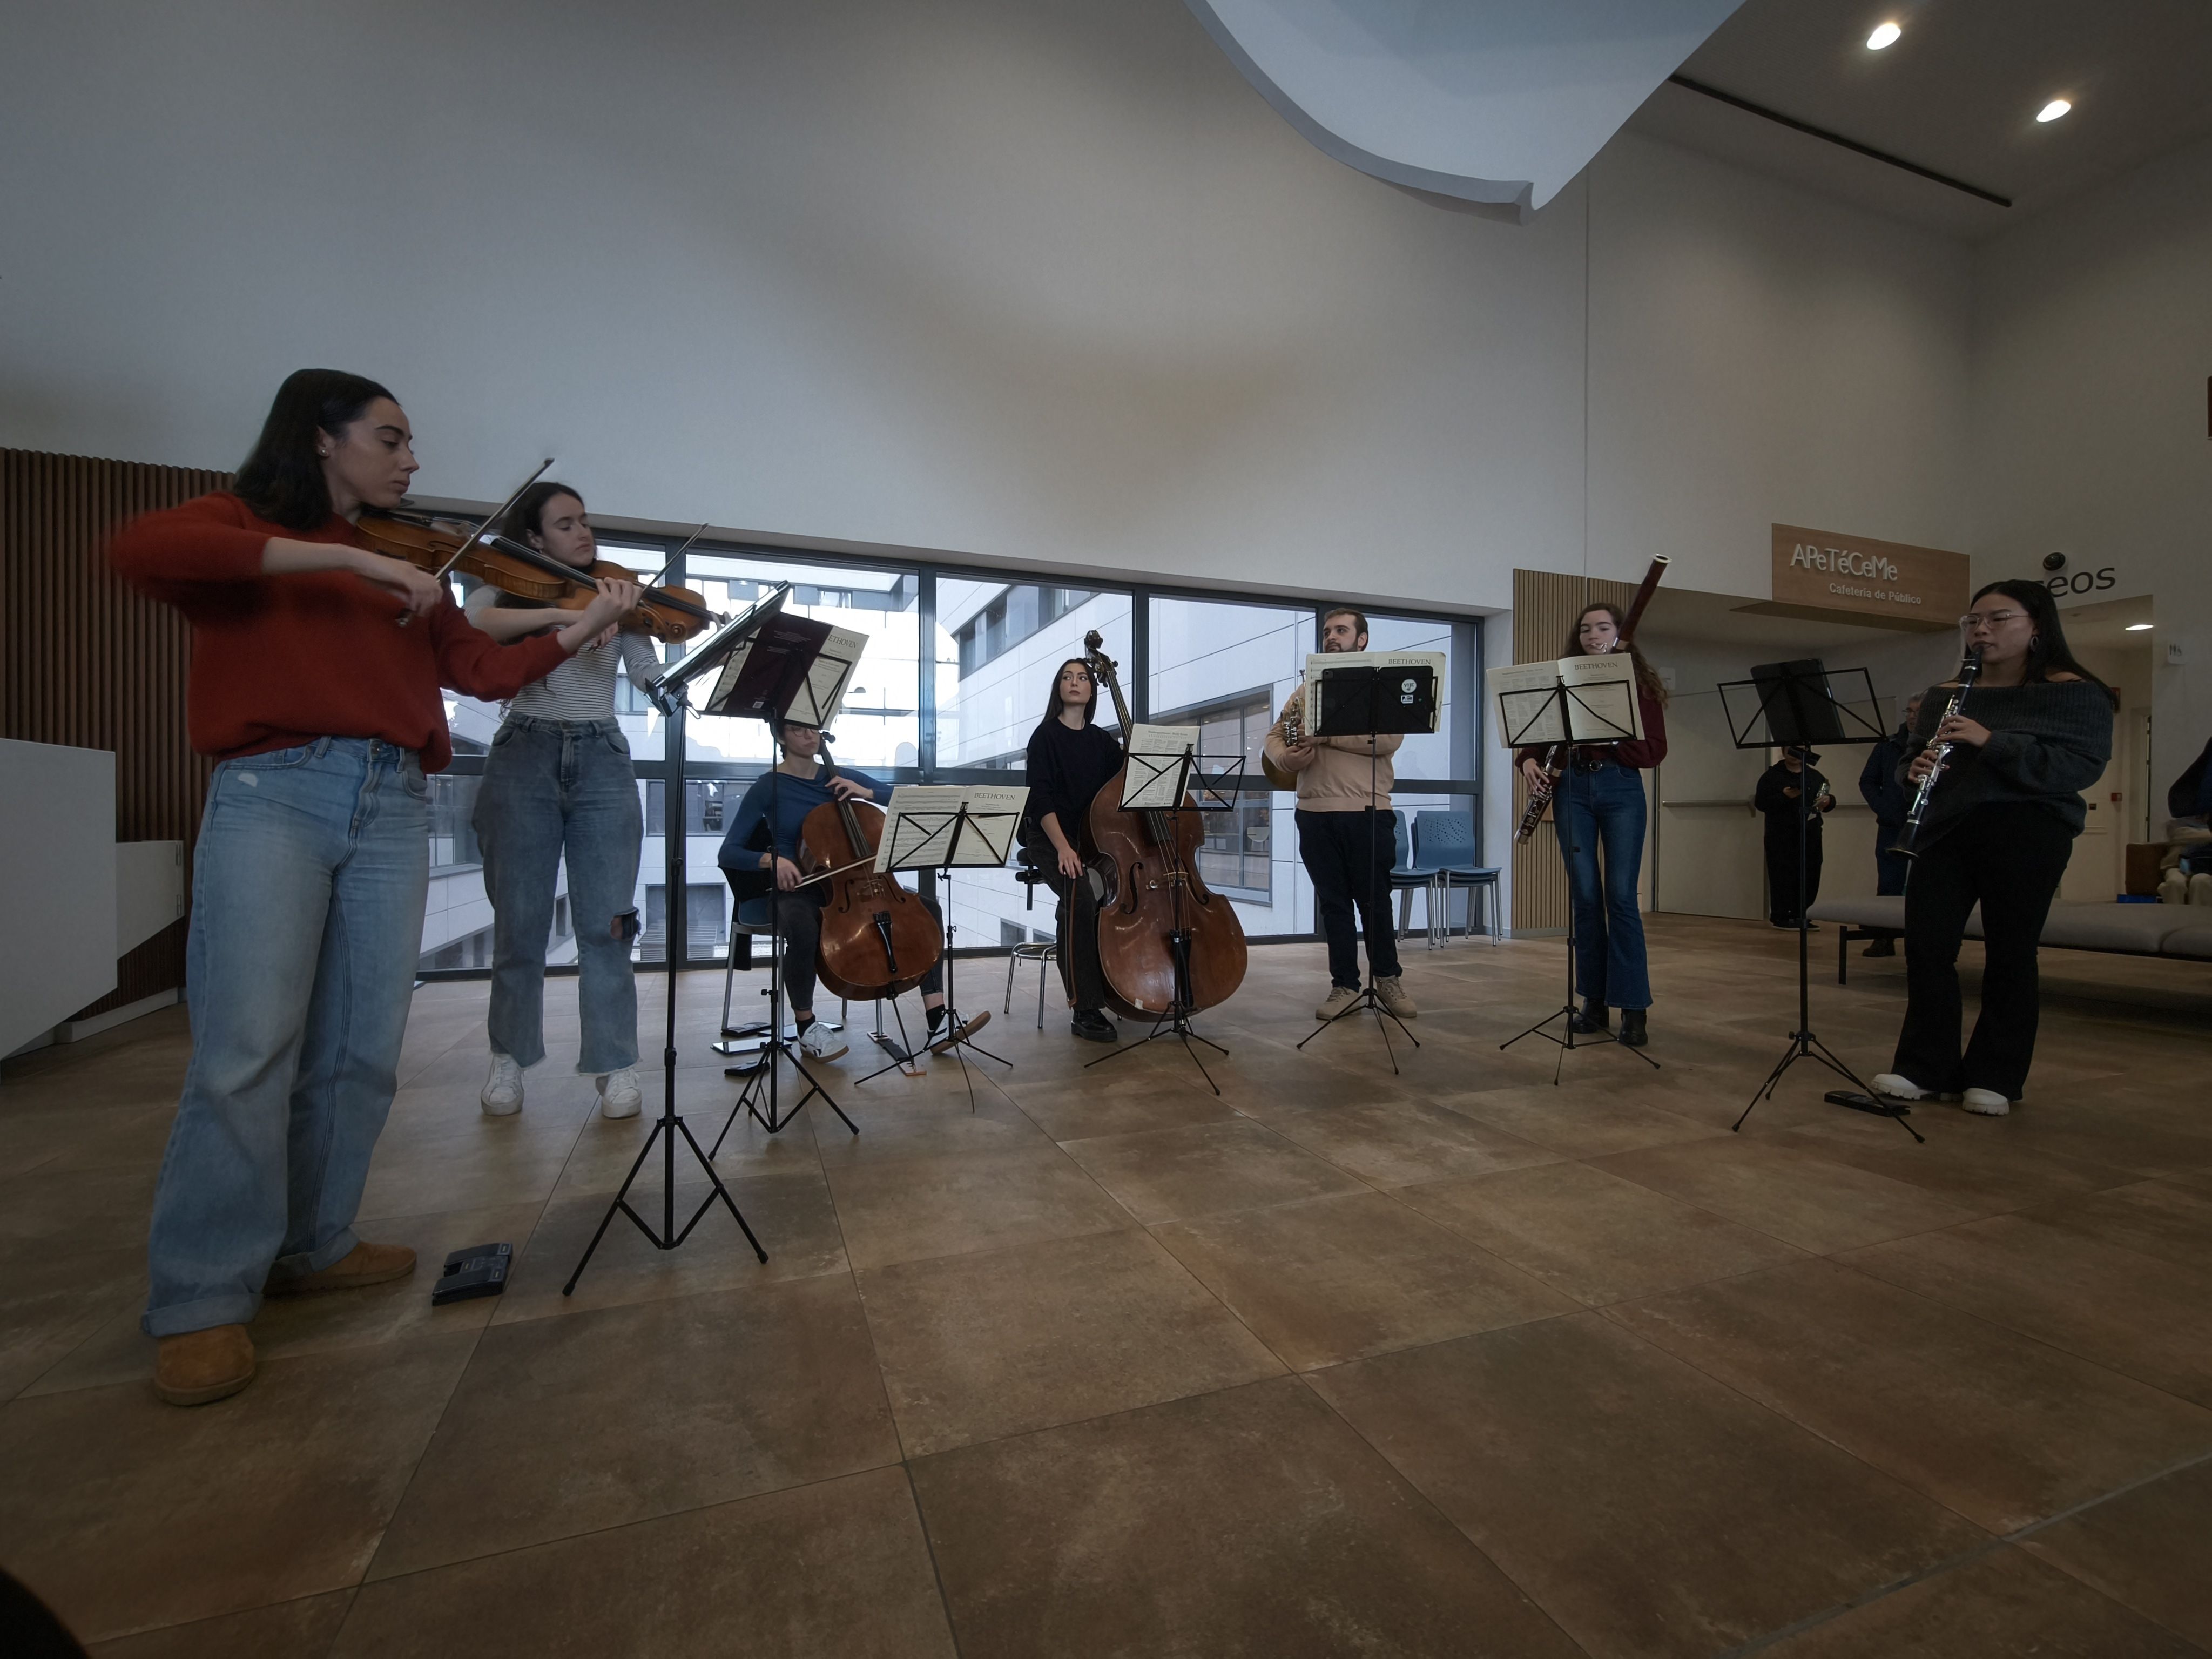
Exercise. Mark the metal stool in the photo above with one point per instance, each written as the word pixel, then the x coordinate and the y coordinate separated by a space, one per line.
pixel 1041 951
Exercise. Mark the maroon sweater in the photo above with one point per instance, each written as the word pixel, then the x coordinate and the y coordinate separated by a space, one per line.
pixel 278 661
pixel 1638 757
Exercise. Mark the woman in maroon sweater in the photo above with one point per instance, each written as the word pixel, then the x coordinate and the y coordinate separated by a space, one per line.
pixel 308 876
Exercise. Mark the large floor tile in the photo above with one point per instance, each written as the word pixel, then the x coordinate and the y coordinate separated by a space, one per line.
pixel 2004 1429
pixel 1169 1174
pixel 52 1301
pixel 998 1342
pixel 1583 1121
pixel 2134 1313
pixel 562 1426
pixel 2145 1548
pixel 1390 1144
pixel 127 1514
pixel 1814 1203
pixel 834 1571
pixel 1648 1509
pixel 909 1208
pixel 1592 1235
pixel 1249 1524
pixel 2169 1219
pixel 1338 1278
pixel 291 1630
pixel 1998 1606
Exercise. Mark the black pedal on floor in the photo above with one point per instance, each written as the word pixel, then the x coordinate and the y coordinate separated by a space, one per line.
pixel 479 1270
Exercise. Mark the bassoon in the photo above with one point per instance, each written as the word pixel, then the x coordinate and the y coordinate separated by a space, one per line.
pixel 1555 757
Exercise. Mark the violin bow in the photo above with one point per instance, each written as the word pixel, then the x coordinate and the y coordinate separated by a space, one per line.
pixel 480 532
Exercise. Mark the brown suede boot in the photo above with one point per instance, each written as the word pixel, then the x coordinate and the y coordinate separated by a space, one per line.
pixel 197 1366
pixel 364 1264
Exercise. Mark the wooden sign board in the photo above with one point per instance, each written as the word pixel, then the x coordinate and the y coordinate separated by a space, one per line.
pixel 1819 572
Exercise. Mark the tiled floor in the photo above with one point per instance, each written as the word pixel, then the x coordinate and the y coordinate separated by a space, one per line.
pixel 1449 1362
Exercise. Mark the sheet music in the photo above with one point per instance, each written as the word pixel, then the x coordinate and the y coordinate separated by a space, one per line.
pixel 1155 780
pixel 1602 705
pixel 1319 661
pixel 827 676
pixel 923 827
pixel 1528 709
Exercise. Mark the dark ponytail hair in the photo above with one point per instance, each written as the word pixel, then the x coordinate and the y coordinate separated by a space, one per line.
pixel 2049 653
pixel 526 518
pixel 283 479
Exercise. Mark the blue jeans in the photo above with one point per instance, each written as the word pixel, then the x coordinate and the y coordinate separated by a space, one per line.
pixel 550 784
pixel 307 890
pixel 1607 810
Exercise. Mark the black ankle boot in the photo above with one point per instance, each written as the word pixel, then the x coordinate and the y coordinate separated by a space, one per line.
pixel 1590 1019
pixel 1631 1028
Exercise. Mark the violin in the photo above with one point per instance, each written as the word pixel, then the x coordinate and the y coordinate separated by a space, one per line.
pixel 877 938
pixel 1167 942
pixel 443 545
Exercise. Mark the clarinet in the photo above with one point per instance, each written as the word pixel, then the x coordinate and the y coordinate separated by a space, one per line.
pixel 1555 757
pixel 1967 670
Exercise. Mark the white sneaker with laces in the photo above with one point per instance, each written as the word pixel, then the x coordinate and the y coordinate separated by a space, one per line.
pixel 1895 1087
pixel 1339 998
pixel 502 1091
pixel 619 1094
pixel 1987 1102
pixel 819 1041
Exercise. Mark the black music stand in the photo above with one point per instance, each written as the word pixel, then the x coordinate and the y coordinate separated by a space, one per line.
pixel 1167 776
pixel 671 696
pixel 944 836
pixel 1796 707
pixel 789 672
pixel 1519 713
pixel 1371 701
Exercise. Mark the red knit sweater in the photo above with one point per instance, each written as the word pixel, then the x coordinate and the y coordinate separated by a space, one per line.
pixel 278 661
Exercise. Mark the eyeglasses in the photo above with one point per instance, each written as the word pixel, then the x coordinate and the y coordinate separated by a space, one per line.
pixel 1994 618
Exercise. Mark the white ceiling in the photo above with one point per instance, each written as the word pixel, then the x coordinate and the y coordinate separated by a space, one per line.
pixel 1958 93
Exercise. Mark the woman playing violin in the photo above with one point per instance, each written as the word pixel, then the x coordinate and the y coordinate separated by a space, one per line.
pixel 764 838
pixel 558 780
pixel 312 860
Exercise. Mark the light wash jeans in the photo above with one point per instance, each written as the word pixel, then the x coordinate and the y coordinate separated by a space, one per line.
pixel 1607 810
pixel 549 784
pixel 308 888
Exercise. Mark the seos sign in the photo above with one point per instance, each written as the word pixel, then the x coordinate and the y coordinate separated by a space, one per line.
pixel 2082 581
pixel 1823 570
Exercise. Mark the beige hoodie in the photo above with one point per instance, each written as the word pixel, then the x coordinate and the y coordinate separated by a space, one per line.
pixel 1338 780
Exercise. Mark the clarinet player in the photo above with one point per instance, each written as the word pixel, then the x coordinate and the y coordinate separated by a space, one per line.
pixel 1999 825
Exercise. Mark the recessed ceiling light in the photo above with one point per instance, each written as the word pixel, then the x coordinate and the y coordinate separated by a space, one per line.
pixel 2053 110
pixel 1885 34
pixel 2140 628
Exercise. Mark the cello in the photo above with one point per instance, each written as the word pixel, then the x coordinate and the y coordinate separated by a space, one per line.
pixel 877 938
pixel 1168 945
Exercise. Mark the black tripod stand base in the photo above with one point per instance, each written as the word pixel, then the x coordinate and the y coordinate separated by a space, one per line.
pixel 1859 1102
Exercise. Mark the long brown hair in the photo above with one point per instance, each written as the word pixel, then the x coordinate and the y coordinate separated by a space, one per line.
pixel 1647 678
pixel 1051 700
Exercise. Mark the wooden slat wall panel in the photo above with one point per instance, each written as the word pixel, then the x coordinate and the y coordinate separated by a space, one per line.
pixel 1546 605
pixel 85 662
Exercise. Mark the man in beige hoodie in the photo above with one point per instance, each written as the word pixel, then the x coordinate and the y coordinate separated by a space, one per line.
pixel 1344 783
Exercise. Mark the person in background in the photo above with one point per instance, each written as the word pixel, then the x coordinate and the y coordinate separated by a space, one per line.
pixel 1347 846
pixel 1070 760
pixel 315 674
pixel 1780 788
pixel 764 836
pixel 2185 873
pixel 558 782
pixel 2033 734
pixel 1891 801
pixel 1606 813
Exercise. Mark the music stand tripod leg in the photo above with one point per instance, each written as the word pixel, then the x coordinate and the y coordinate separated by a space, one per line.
pixel 1368 1001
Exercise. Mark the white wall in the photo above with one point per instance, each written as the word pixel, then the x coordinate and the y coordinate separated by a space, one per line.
pixel 2092 339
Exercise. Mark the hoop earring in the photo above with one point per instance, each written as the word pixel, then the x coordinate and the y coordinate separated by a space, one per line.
pixel 2033 641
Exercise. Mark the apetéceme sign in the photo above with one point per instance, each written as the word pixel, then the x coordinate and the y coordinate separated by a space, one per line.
pixel 1824 570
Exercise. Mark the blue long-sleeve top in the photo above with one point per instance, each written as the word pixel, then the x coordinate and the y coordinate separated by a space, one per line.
pixel 1891 800
pixel 793 798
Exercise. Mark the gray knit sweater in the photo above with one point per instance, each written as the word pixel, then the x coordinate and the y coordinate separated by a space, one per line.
pixel 2047 744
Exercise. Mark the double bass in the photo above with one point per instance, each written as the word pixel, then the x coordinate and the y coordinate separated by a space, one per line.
pixel 1168 945
pixel 877 938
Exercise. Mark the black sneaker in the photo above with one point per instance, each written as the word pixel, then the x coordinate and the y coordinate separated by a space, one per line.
pixel 1631 1028
pixel 1093 1026
pixel 1881 947
pixel 1590 1018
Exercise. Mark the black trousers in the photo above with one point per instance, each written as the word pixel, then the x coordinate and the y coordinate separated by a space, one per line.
pixel 1075 925
pixel 1783 903
pixel 799 918
pixel 2008 859
pixel 1349 875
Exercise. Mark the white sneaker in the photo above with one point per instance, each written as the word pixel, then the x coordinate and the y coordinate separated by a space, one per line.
pixel 1339 998
pixel 2200 888
pixel 619 1095
pixel 819 1041
pixel 1890 1085
pixel 1986 1102
pixel 502 1090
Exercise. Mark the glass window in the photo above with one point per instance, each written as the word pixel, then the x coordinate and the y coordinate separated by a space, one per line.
pixel 879 730
pixel 999 645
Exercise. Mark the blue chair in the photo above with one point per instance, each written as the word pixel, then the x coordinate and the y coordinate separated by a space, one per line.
pixel 1405 879
pixel 1444 846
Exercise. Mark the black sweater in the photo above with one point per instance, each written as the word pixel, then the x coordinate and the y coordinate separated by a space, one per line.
pixel 1068 766
pixel 1781 810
